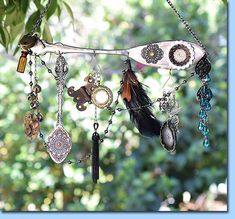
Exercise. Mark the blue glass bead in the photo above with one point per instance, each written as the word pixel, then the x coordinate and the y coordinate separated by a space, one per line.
pixel 206 143
pixel 208 94
pixel 205 130
pixel 207 78
pixel 201 126
pixel 203 103
pixel 205 119
pixel 207 106
pixel 202 114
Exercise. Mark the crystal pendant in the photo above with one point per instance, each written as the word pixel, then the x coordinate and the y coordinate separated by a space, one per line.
pixel 206 143
pixel 200 126
pixel 59 144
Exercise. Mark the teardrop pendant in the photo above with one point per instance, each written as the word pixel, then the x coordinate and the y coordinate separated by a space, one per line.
pixel 206 142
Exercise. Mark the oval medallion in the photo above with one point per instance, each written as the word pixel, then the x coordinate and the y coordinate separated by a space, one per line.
pixel 59 144
pixel 168 136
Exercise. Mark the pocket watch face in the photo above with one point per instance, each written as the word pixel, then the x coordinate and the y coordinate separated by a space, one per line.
pixel 102 97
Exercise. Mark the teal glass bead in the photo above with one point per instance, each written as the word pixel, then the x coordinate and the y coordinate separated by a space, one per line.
pixel 207 106
pixel 206 143
pixel 205 130
pixel 207 78
pixel 201 126
pixel 208 94
pixel 202 114
pixel 203 103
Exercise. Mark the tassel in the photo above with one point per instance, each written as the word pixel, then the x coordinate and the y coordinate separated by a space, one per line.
pixel 134 96
pixel 95 157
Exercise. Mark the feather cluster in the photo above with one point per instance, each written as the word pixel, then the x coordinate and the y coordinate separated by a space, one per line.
pixel 139 104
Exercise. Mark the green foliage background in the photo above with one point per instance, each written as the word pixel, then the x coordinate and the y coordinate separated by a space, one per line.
pixel 136 173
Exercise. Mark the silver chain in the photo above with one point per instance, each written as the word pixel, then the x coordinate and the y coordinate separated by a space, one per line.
pixel 185 23
pixel 41 16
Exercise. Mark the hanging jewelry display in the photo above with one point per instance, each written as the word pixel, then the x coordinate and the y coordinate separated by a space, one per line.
pixel 59 142
pixel 172 55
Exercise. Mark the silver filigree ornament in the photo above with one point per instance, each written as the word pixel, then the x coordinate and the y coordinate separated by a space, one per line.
pixel 169 129
pixel 59 142
pixel 152 53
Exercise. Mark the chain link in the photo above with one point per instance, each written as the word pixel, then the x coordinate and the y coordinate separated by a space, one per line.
pixel 185 23
pixel 41 16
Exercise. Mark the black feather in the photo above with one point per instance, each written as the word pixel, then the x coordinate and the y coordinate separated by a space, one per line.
pixel 143 118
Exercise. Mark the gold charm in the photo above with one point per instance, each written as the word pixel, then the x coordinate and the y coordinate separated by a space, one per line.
pixel 22 62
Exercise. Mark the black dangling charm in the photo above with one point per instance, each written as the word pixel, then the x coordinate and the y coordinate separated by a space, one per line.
pixel 95 154
pixel 204 96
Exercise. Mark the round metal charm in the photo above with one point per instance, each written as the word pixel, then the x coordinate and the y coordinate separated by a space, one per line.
pixel 168 136
pixel 152 53
pixel 59 144
pixel 181 55
pixel 102 97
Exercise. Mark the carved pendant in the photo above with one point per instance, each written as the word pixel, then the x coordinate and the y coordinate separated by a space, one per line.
pixel 59 144
pixel 168 136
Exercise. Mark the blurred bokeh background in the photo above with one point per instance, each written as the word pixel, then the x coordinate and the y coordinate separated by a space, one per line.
pixel 137 174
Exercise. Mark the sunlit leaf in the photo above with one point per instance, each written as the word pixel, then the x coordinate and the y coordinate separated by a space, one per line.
pixel 47 33
pixel 69 10
pixel 32 20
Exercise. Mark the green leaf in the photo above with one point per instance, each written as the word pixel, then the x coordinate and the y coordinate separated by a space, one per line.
pixel 225 2
pixel 38 4
pixel 69 10
pixel 9 8
pixel 47 33
pixel 51 9
pixel 24 5
pixel 3 37
pixel 16 50
pixel 32 20
pixel 58 11
pixel 14 18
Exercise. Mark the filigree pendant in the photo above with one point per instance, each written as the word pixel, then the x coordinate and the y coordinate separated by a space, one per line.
pixel 59 144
